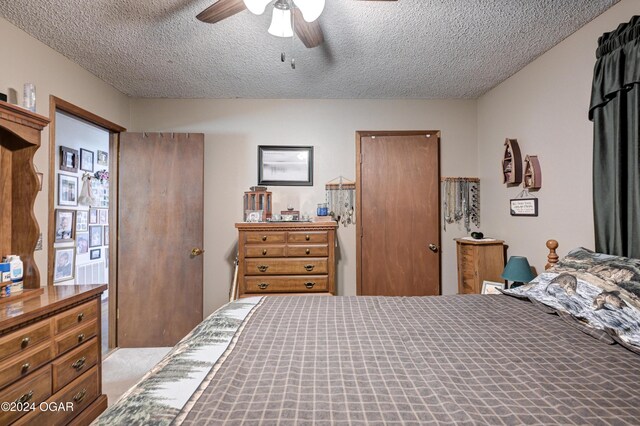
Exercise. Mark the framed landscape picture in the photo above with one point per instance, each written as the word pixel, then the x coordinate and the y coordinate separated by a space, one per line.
pixel 94 254
pixel 285 165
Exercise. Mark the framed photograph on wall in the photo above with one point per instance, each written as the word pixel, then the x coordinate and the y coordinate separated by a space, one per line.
pixel 82 221
pixel 285 165
pixel 103 216
pixel 86 160
pixel 67 190
pixel 95 236
pixel 95 254
pixel 105 239
pixel 82 242
pixel 93 216
pixel 64 261
pixel 68 159
pixel 103 158
pixel 65 225
pixel 490 287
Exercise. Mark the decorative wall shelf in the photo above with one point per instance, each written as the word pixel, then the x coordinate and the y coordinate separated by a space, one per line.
pixel 511 163
pixel 532 173
pixel 19 139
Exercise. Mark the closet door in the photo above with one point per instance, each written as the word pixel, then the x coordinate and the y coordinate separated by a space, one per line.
pixel 398 187
pixel 160 237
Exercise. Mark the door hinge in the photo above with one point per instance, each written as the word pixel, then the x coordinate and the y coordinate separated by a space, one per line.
pixel 117 313
pixel 361 158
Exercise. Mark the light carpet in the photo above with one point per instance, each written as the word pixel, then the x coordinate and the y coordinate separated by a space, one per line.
pixel 124 367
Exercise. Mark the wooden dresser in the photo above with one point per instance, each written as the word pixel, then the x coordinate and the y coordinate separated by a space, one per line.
pixel 50 357
pixel 286 258
pixel 479 260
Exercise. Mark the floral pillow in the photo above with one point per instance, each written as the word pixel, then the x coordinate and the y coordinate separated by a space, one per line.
pixel 598 293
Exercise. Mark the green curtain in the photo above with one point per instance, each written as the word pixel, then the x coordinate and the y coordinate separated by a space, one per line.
pixel 615 112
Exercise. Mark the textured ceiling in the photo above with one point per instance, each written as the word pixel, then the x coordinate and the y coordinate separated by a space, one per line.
pixel 373 49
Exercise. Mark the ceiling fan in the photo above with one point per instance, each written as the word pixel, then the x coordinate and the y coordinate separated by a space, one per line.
pixel 305 15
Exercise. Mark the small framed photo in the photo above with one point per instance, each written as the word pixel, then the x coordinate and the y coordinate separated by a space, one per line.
pixel 103 216
pixel 95 236
pixel 64 261
pixel 65 225
pixel 103 158
pixel 94 254
pixel 253 216
pixel 285 165
pixel 86 160
pixel 490 287
pixel 68 159
pixel 93 216
pixel 67 190
pixel 82 221
pixel 105 240
pixel 82 242
pixel 106 257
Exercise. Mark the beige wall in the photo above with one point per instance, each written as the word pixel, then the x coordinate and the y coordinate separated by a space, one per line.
pixel 25 59
pixel 545 107
pixel 234 128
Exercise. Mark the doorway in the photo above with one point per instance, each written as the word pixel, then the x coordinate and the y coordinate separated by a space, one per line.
pixel 80 228
pixel 398 211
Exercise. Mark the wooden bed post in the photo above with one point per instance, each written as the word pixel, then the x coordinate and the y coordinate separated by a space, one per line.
pixel 552 257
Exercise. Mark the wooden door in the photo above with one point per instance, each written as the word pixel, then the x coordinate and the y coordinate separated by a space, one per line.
pixel 160 196
pixel 398 187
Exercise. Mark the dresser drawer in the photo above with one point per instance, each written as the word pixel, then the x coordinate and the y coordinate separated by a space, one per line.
pixel 19 366
pixel 286 284
pixel 74 317
pixel 33 389
pixel 73 364
pixel 24 339
pixel 264 251
pixel 308 237
pixel 75 397
pixel 257 237
pixel 76 337
pixel 307 250
pixel 285 266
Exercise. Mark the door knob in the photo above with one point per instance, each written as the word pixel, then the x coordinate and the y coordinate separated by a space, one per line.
pixel 196 252
pixel 433 248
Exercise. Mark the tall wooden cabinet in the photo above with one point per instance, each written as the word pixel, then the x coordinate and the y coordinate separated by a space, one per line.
pixel 286 258
pixel 479 260
pixel 19 139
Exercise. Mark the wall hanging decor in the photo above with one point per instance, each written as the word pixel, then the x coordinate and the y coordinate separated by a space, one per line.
pixel 532 173
pixel 461 201
pixel 285 165
pixel 341 200
pixel 511 163
pixel 525 204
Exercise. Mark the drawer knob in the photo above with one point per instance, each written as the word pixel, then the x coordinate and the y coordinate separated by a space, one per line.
pixel 307 237
pixel 79 364
pixel 26 397
pixel 80 337
pixel 264 252
pixel 309 285
pixel 264 238
pixel 25 367
pixel 307 251
pixel 80 396
pixel 80 316
pixel 263 286
pixel 309 267
pixel 25 342
pixel 263 268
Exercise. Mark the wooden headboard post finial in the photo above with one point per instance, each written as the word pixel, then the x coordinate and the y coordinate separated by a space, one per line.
pixel 552 257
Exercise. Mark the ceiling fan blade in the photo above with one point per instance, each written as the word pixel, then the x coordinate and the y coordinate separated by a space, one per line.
pixel 309 33
pixel 220 10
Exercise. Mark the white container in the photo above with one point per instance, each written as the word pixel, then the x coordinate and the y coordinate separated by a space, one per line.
pixel 29 97
pixel 16 267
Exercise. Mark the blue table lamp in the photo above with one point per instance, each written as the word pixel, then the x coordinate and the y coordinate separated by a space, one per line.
pixel 518 271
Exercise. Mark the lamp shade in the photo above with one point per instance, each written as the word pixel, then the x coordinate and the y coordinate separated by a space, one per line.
pixel 311 9
pixel 256 6
pixel 518 270
pixel 281 21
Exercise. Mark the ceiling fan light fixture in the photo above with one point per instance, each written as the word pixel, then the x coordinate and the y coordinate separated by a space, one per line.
pixel 311 9
pixel 281 20
pixel 256 7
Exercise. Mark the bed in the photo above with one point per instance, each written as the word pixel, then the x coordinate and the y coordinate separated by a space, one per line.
pixel 465 359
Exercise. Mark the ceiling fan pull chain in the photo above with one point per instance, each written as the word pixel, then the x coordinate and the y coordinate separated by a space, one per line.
pixel 283 57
